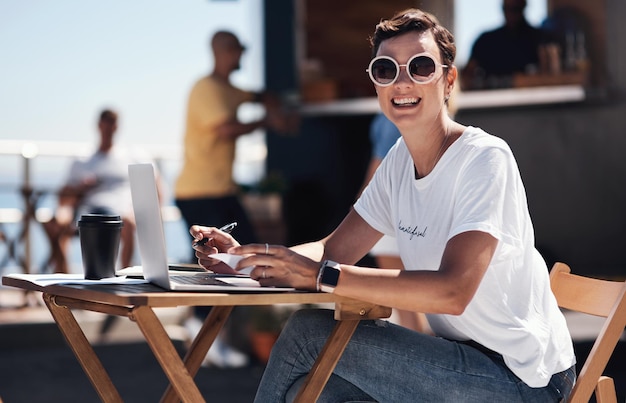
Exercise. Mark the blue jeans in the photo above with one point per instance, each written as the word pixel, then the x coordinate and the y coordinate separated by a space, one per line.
pixel 388 363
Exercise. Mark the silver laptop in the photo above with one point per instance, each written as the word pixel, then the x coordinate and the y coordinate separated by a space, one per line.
pixel 152 244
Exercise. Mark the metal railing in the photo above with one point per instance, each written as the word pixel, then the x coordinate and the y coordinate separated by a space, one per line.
pixel 18 247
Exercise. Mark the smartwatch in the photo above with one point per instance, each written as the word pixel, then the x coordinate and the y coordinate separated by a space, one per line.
pixel 329 276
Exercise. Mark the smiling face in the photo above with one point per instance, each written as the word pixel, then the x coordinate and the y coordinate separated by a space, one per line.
pixel 405 102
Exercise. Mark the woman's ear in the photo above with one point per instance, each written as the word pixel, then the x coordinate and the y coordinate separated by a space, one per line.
pixel 451 78
pixel 452 92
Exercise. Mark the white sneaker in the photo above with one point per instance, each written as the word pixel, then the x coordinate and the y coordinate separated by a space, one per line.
pixel 192 325
pixel 220 354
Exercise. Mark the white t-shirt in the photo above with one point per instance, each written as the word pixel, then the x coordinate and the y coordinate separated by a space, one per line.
pixel 110 170
pixel 476 186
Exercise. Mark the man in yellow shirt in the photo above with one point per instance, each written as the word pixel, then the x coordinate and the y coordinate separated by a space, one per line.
pixel 205 191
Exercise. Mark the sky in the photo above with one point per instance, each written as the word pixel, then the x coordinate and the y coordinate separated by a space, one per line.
pixel 63 61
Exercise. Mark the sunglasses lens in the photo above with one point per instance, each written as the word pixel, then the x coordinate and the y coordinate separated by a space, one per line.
pixel 422 68
pixel 384 71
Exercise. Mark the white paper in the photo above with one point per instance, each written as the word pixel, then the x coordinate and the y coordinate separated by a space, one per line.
pixel 174 268
pixel 43 280
pixel 231 261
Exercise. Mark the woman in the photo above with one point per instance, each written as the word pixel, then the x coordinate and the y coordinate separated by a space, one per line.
pixel 453 198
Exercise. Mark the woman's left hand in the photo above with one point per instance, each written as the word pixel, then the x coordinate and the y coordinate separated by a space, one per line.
pixel 276 265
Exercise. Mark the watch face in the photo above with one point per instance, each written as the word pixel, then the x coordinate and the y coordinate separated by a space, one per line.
pixel 330 276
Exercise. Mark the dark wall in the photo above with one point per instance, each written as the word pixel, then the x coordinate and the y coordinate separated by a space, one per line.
pixel 280 45
pixel 324 166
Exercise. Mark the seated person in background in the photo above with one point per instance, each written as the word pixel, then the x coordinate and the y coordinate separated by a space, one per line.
pixel 97 185
pixel 498 54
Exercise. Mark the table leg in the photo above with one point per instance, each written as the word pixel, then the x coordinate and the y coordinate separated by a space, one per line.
pixel 166 354
pixel 83 351
pixel 201 344
pixel 348 315
pixel 326 361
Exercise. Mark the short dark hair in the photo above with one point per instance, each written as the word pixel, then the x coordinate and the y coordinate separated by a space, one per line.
pixel 108 114
pixel 226 39
pixel 413 19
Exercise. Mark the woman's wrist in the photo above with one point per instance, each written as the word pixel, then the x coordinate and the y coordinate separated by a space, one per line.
pixel 318 281
pixel 328 276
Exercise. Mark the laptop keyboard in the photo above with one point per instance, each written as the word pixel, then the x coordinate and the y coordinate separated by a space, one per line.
pixel 198 279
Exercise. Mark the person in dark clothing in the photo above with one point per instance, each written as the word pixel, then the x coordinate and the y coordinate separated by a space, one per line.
pixel 498 54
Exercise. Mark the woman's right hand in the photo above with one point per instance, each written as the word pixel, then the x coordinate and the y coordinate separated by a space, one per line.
pixel 208 241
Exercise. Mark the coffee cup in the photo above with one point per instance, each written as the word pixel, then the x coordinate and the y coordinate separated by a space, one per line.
pixel 99 244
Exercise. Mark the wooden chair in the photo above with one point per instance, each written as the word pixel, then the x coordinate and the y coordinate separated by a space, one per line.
pixel 600 298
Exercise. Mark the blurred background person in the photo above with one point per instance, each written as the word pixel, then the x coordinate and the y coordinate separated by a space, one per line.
pixel 205 190
pixel 96 185
pixel 497 54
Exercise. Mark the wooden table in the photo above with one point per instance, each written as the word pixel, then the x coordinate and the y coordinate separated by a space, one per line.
pixel 137 302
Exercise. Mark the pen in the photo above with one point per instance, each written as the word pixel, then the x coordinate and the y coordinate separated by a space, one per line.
pixel 228 228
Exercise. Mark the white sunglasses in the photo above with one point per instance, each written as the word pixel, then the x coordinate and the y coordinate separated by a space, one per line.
pixel 422 69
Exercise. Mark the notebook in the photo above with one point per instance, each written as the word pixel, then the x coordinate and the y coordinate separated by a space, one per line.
pixel 151 239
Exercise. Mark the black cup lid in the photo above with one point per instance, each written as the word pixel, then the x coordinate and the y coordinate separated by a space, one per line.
pixel 99 217
pixel 107 219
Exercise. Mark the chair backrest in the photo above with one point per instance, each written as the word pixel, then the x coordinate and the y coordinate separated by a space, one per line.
pixel 603 298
